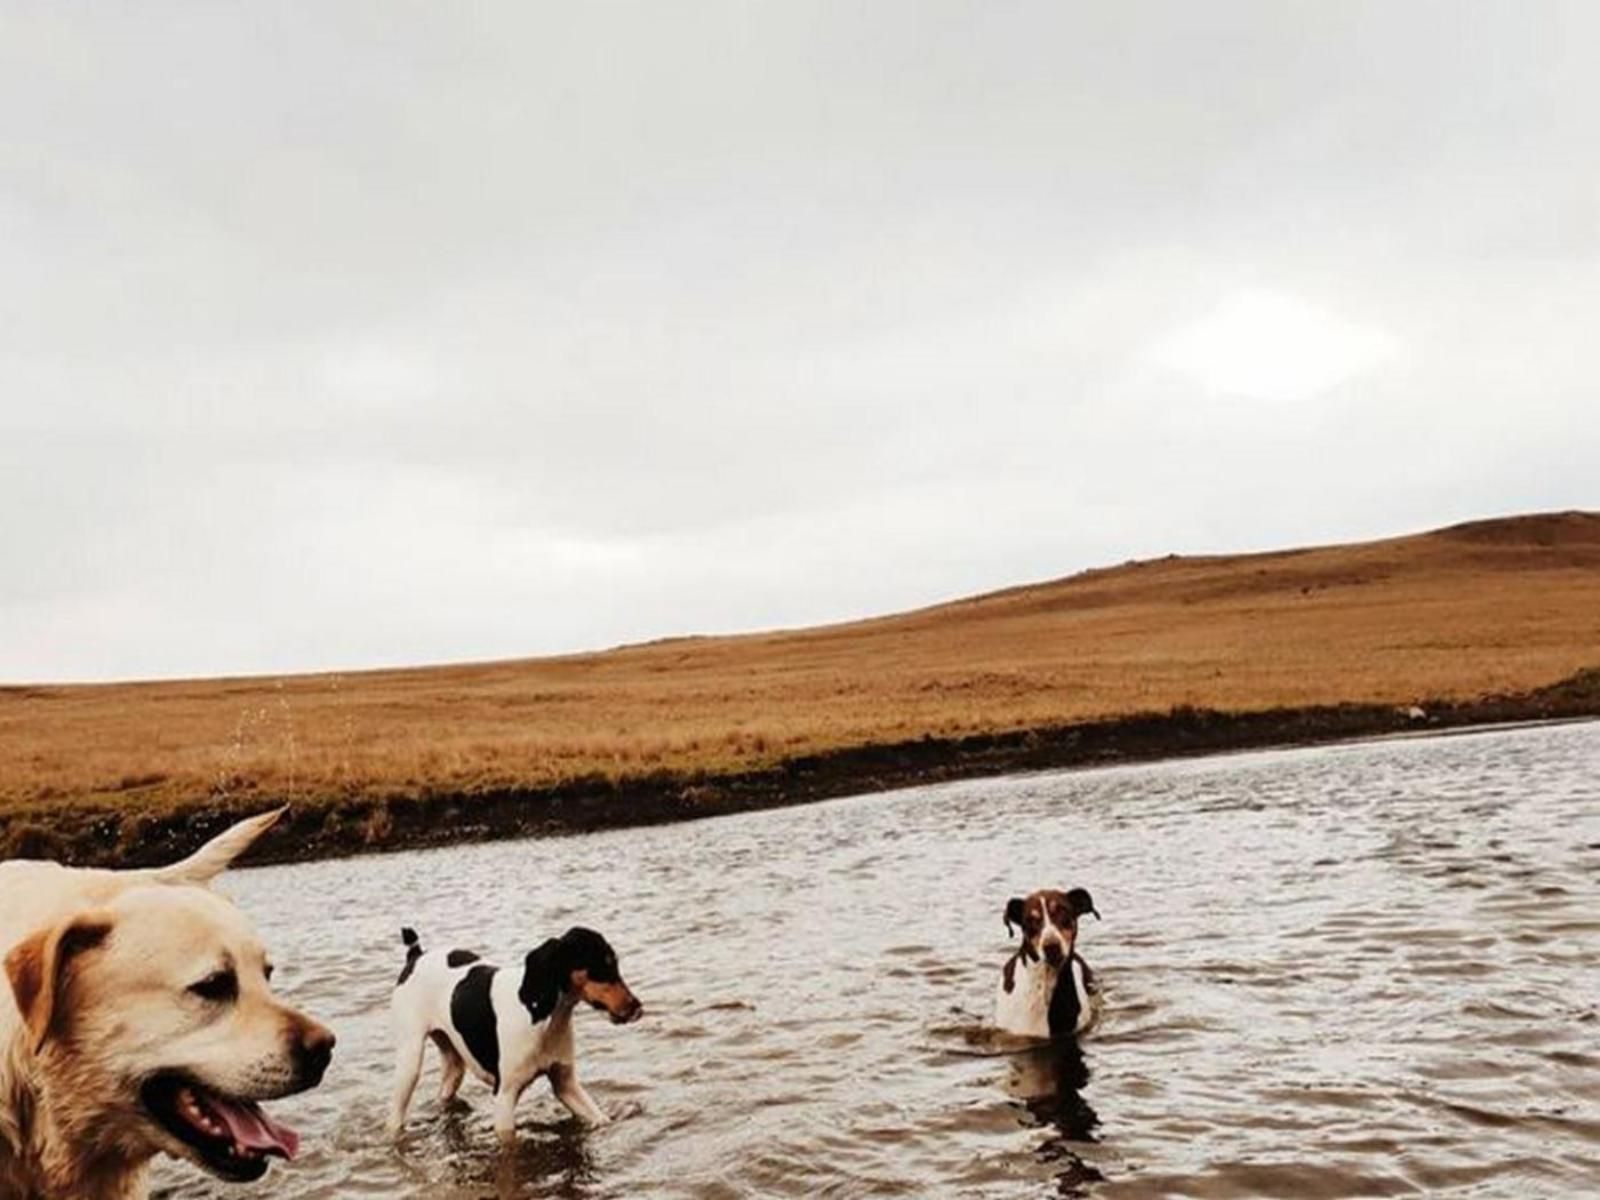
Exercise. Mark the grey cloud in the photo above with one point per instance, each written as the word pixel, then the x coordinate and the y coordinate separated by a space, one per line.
pixel 398 333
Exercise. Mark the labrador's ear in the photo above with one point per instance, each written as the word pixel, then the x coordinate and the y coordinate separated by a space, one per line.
pixel 217 855
pixel 1013 913
pixel 1082 902
pixel 40 970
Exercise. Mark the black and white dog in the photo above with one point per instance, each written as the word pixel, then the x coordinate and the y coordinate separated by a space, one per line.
pixel 506 1027
pixel 1046 990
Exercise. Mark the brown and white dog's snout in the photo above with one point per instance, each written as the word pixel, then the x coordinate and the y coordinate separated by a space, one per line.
pixel 1054 946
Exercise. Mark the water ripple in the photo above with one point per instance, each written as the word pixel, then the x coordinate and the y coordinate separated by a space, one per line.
pixel 1352 971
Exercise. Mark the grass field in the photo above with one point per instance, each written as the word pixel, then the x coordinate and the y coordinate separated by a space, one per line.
pixel 1491 607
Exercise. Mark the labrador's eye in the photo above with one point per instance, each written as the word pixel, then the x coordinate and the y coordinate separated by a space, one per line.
pixel 219 987
pixel 267 970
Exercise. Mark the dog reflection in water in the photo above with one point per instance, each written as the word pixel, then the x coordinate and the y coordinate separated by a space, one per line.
pixel 454 1163
pixel 1048 1081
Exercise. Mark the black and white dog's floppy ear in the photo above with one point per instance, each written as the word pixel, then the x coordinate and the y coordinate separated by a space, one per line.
pixel 543 977
pixel 1082 902
pixel 1013 913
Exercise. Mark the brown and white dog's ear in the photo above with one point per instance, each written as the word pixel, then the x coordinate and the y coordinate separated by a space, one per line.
pixel 40 971
pixel 212 859
pixel 1082 902
pixel 1013 916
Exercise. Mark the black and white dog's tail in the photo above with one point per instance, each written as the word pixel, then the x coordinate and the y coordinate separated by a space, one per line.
pixel 413 943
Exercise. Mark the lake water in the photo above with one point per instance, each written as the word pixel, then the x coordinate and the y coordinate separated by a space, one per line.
pixel 1362 970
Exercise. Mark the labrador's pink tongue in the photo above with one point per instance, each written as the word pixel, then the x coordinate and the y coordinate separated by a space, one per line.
pixel 254 1130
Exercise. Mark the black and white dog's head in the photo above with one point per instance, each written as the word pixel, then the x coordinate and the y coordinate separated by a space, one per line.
pixel 1049 922
pixel 582 965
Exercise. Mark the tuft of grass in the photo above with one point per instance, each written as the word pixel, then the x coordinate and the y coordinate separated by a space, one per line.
pixel 378 825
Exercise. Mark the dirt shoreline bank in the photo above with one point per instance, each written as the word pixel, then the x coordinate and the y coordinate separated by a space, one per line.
pixel 335 827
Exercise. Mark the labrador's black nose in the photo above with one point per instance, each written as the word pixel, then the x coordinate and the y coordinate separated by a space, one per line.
pixel 313 1052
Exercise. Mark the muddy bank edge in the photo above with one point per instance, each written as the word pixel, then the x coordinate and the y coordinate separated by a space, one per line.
pixel 334 827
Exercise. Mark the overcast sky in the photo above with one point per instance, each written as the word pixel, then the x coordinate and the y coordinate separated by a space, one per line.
pixel 348 334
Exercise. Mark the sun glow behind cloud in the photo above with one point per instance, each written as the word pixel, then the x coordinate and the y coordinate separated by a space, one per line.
pixel 1269 346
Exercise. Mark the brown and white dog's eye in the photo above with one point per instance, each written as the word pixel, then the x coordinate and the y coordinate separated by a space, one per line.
pixel 267 971
pixel 219 987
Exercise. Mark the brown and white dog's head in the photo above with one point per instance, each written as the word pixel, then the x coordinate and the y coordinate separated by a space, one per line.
pixel 149 1025
pixel 1049 922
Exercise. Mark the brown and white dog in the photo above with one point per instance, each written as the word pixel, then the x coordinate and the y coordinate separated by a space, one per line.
pixel 137 1019
pixel 1046 990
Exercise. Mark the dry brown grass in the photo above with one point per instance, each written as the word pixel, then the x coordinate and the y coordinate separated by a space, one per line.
pixel 1490 607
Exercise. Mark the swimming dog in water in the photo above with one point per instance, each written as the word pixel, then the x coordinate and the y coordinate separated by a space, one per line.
pixel 1046 990
pixel 506 1027
pixel 136 1019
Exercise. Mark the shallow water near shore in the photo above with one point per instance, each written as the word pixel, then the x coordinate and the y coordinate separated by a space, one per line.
pixel 1356 970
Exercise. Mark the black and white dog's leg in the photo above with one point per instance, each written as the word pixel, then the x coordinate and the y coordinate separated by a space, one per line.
pixel 568 1090
pixel 407 1067
pixel 455 1068
pixel 505 1109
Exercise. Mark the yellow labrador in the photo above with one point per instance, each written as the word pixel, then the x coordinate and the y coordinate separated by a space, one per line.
pixel 139 1020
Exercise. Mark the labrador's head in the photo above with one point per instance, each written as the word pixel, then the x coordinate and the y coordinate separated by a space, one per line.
pixel 152 1027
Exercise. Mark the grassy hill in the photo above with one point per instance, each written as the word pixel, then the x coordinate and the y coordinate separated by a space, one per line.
pixel 1502 607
